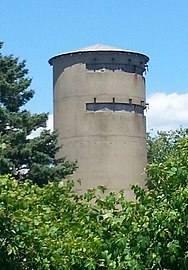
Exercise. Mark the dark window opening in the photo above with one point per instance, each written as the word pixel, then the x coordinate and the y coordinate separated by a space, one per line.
pixel 115 107
pixel 99 67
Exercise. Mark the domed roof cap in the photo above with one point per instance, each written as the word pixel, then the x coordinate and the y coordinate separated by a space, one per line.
pixel 99 48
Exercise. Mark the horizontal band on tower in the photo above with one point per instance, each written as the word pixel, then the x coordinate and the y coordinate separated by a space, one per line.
pixel 115 107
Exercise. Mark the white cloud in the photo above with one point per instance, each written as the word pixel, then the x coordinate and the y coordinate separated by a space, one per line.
pixel 167 111
pixel 50 122
pixel 37 132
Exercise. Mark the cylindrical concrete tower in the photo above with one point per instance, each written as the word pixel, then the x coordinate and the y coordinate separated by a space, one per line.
pixel 99 102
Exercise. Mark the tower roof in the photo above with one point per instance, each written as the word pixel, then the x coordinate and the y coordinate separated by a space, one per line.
pixel 97 48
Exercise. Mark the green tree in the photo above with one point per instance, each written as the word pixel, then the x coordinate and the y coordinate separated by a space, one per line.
pixel 21 156
pixel 54 228
pixel 160 146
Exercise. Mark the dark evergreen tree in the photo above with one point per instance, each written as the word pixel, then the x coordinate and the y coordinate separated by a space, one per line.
pixel 20 155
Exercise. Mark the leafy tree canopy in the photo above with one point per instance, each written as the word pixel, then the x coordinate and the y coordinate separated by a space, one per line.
pixel 54 228
pixel 162 145
pixel 23 157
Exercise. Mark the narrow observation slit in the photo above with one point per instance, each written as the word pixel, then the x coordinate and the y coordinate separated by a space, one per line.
pixel 105 67
pixel 114 107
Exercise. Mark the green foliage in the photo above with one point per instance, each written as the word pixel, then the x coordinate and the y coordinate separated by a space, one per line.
pixel 54 228
pixel 20 155
pixel 163 144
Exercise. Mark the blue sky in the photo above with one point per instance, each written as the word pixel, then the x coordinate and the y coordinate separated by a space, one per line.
pixel 36 30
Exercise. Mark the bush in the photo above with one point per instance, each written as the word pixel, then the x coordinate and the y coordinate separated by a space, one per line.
pixel 54 228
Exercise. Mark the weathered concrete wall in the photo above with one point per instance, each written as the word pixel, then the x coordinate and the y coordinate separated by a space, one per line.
pixel 110 146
